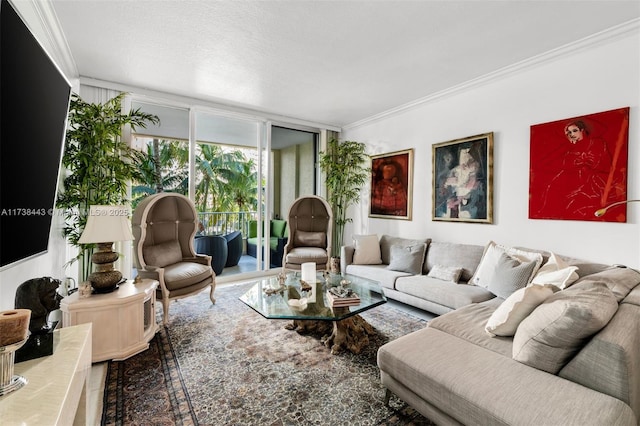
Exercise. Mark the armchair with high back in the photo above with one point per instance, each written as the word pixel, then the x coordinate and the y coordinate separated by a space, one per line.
pixel 164 226
pixel 310 222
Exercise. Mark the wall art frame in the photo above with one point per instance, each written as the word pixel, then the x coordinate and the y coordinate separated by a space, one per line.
pixel 392 185
pixel 463 179
pixel 579 165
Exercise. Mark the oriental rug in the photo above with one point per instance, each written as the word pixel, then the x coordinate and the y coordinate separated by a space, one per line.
pixel 225 364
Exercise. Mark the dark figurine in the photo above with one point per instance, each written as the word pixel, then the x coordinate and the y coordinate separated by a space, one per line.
pixel 41 297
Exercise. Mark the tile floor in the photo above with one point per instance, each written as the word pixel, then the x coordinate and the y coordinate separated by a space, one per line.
pixel 99 370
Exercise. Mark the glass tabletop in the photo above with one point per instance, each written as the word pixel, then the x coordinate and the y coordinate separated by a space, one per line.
pixel 289 301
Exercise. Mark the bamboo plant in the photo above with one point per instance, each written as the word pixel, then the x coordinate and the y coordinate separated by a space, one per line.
pixel 344 166
pixel 98 165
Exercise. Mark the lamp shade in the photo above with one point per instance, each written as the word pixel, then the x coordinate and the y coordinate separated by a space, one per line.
pixel 107 224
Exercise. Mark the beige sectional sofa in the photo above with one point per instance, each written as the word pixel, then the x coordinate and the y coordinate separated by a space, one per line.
pixel 571 357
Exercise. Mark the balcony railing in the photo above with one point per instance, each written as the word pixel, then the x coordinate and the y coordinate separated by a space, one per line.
pixel 221 223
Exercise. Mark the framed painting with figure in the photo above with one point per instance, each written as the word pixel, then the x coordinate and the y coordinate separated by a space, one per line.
pixel 578 165
pixel 463 180
pixel 392 185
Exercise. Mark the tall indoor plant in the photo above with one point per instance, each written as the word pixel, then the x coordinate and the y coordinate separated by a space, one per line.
pixel 344 166
pixel 99 165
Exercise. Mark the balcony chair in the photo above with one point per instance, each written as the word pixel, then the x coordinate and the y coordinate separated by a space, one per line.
pixel 164 226
pixel 310 222
pixel 234 248
pixel 214 246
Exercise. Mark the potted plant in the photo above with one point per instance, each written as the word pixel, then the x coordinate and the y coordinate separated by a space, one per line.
pixel 344 166
pixel 99 165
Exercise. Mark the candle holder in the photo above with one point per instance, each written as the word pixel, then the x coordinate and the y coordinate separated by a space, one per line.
pixel 8 381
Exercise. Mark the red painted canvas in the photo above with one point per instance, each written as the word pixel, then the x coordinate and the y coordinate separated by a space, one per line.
pixel 579 165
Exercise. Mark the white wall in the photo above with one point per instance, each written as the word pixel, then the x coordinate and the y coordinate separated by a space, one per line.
pixel 601 76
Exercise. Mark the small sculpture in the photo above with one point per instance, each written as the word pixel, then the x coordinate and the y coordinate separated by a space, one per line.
pixel 305 286
pixel 41 297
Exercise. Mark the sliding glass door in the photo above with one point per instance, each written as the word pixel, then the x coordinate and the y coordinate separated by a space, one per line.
pixel 242 174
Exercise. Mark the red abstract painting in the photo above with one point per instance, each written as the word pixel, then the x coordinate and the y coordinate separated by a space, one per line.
pixel 579 165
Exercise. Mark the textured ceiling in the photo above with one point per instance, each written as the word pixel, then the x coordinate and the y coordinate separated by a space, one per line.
pixel 333 62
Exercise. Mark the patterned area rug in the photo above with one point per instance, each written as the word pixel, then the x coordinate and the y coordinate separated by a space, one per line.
pixel 226 364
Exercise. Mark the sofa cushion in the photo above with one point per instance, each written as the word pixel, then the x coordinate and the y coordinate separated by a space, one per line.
pixel 300 255
pixel 556 272
pixel 468 323
pixel 619 280
pixel 163 254
pixel 465 256
pixel 441 292
pixel 278 228
pixel 380 273
pixel 556 330
pixel 491 257
pixel 407 258
pixel 309 239
pixel 445 273
pixel 387 241
pixel 367 250
pixel 505 320
pixel 509 275
pixel 609 362
pixel 184 274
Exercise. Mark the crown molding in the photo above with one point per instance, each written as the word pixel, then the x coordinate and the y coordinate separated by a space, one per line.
pixel 41 18
pixel 180 101
pixel 596 39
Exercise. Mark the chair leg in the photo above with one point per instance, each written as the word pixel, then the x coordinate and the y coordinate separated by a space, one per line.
pixel 387 396
pixel 213 288
pixel 165 311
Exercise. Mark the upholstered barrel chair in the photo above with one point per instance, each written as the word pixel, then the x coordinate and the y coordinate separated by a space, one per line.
pixel 164 226
pixel 310 222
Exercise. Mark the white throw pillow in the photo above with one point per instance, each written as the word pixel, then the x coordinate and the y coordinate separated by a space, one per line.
pixel 557 272
pixel 367 250
pixel 505 320
pixel 491 258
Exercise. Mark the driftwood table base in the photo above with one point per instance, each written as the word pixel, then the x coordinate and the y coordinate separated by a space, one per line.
pixel 350 334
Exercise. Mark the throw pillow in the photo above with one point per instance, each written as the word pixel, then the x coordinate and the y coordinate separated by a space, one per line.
pixel 407 258
pixel 557 272
pixel 445 273
pixel 367 250
pixel 491 256
pixel 505 320
pixel 557 329
pixel 509 275
pixel 162 254
pixel 386 241
pixel 310 239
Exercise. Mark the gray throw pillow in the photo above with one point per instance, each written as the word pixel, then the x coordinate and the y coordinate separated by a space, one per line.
pixel 509 275
pixel 557 329
pixel 163 254
pixel 407 258
pixel 310 239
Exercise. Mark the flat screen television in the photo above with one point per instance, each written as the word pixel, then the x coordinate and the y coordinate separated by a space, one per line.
pixel 34 103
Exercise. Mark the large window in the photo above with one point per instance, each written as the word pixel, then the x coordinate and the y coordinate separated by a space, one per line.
pixel 238 172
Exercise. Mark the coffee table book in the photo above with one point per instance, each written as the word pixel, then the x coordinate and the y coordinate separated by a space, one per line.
pixel 336 301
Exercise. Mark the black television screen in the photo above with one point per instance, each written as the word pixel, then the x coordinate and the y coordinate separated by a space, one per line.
pixel 34 103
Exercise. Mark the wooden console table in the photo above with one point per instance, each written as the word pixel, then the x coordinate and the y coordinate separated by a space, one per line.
pixel 124 321
pixel 56 389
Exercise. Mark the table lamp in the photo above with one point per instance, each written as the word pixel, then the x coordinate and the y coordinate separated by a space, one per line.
pixel 601 212
pixel 106 224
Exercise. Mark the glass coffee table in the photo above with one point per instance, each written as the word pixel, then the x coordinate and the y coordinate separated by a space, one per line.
pixel 342 328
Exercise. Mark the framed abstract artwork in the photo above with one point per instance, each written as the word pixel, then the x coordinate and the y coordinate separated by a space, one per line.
pixel 463 180
pixel 392 185
pixel 578 165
